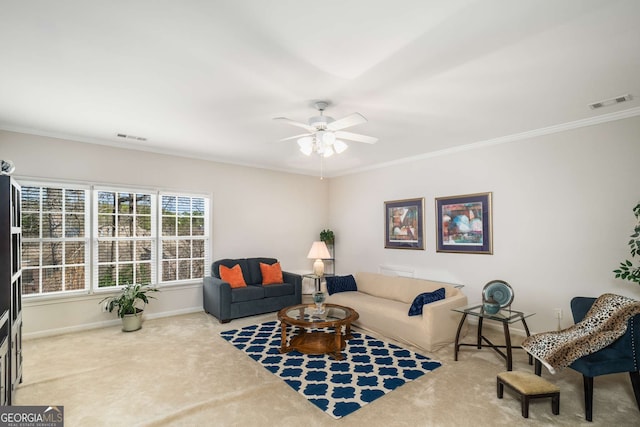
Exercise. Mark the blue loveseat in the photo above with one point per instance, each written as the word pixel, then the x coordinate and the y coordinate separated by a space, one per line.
pixel 226 303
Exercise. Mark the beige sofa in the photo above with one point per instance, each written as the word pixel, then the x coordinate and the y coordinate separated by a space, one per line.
pixel 383 304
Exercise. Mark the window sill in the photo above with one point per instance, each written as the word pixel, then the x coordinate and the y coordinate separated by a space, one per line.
pixel 61 298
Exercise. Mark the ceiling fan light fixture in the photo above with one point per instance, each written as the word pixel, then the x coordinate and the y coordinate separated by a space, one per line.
pixel 323 133
pixel 328 152
pixel 339 146
pixel 328 138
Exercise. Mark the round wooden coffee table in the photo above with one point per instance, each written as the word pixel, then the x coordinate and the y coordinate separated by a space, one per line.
pixel 304 317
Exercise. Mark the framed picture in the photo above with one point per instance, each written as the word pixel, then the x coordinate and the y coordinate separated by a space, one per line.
pixel 404 224
pixel 464 224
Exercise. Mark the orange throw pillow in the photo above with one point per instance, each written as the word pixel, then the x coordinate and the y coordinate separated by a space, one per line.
pixel 233 276
pixel 271 274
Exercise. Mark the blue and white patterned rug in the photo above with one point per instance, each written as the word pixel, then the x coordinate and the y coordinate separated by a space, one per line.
pixel 371 368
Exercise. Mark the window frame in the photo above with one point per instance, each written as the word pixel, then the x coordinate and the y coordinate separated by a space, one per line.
pixel 91 238
pixel 97 238
pixel 63 239
pixel 205 237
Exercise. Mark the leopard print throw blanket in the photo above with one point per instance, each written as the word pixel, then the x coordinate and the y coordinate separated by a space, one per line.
pixel 605 322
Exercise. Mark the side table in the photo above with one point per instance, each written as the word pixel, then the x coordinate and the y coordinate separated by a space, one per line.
pixel 506 317
pixel 317 280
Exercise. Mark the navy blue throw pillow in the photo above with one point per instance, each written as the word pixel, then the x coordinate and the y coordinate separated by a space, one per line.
pixel 337 284
pixel 425 298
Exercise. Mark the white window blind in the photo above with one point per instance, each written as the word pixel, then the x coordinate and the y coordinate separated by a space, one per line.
pixel 55 233
pixel 184 237
pixel 125 243
pixel 78 239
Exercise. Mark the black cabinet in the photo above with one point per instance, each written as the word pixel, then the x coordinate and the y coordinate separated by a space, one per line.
pixel 5 373
pixel 10 289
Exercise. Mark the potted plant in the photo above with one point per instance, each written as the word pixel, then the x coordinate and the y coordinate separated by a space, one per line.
pixel 628 270
pixel 128 303
pixel 327 236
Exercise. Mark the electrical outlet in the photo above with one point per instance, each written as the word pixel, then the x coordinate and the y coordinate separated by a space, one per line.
pixel 558 312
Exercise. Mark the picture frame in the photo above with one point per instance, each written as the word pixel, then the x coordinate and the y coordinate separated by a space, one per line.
pixel 404 224
pixel 464 224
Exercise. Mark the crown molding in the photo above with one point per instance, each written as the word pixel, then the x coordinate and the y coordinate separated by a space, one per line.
pixel 563 127
pixel 591 121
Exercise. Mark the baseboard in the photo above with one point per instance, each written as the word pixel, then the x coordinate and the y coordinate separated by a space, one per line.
pixel 174 312
pixel 104 324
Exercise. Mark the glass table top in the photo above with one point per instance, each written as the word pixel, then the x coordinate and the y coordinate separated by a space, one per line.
pixel 309 313
pixel 504 315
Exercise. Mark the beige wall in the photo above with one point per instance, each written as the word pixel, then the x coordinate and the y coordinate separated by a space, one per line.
pixel 254 212
pixel 562 215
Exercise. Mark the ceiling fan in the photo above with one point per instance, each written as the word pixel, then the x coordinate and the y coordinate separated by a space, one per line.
pixel 324 134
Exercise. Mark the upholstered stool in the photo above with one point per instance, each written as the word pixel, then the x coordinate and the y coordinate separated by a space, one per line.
pixel 529 386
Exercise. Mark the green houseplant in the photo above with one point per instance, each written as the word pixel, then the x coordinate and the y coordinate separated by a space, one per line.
pixel 127 302
pixel 327 236
pixel 628 269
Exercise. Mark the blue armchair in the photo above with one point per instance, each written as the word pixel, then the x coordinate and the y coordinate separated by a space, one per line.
pixel 621 356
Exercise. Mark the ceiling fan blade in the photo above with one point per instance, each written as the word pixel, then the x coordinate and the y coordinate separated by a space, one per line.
pixel 296 137
pixel 294 123
pixel 350 120
pixel 356 137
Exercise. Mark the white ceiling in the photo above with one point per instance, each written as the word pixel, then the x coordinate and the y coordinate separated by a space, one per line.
pixel 205 78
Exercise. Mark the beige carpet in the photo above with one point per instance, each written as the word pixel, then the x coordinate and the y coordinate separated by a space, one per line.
pixel 178 371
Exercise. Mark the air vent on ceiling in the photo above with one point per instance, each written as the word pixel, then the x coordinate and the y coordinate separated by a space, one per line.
pixel 610 101
pixel 137 138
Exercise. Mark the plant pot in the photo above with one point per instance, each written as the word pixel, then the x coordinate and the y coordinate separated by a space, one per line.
pixel 132 322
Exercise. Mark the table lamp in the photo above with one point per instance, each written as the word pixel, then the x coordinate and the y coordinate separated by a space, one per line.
pixel 318 251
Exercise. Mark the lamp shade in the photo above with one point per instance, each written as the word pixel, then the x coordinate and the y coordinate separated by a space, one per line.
pixel 328 151
pixel 328 138
pixel 339 146
pixel 319 250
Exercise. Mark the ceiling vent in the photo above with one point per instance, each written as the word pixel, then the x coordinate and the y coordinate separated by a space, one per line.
pixel 610 101
pixel 137 138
